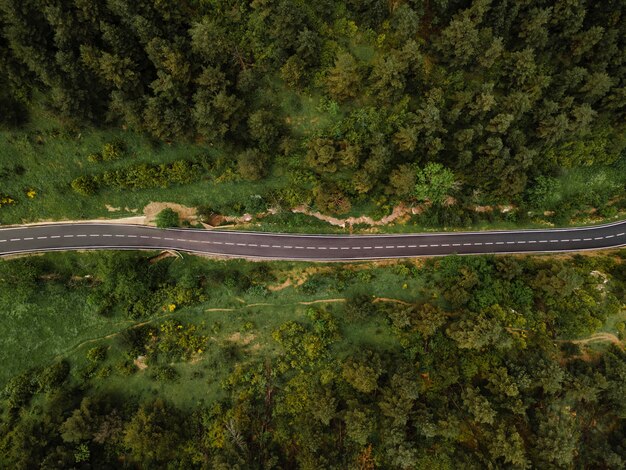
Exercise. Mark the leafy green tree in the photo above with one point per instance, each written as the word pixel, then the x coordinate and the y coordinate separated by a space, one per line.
pixel 264 128
pixel 402 180
pixel 343 78
pixel 153 435
pixel 252 164
pixel 434 183
pixel 388 77
pixel 332 200
pixel 362 373
pixel 508 445
pixel 322 155
pixel 359 425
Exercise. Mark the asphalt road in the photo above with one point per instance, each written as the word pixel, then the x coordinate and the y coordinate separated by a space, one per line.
pixel 83 236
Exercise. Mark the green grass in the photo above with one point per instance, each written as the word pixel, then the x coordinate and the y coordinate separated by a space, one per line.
pixel 574 182
pixel 55 322
pixel 52 157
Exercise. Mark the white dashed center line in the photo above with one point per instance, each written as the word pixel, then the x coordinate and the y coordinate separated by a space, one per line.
pixel 291 247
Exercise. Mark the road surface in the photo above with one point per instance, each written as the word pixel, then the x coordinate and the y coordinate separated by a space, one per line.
pixel 87 236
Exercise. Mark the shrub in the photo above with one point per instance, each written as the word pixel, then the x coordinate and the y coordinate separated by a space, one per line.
pixel 97 354
pixel 88 371
pixel 165 374
pixel 113 151
pixel 53 376
pixel 85 185
pixel 167 218
pixel 126 368
pixel 252 164
pixel 258 291
pixel 104 372
pixel 332 200
pixel 255 204
pixel 6 200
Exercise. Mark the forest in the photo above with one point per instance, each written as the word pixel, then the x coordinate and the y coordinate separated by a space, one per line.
pixel 458 362
pixel 481 102
pixel 161 360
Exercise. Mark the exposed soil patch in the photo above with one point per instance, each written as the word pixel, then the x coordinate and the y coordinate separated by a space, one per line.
pixel 399 213
pixel 279 287
pixel 140 362
pixel 243 340
pixel 185 213
pixel 161 256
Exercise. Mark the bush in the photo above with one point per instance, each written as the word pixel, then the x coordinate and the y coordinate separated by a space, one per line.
pixel 252 164
pixel 85 185
pixel 540 196
pixel 167 218
pixel 255 204
pixel 258 291
pixel 20 389
pixel 165 374
pixel 205 213
pixel 6 200
pixel 113 151
pixel 53 376
pixel 97 354
pixel 608 211
pixel 332 200
pixel 126 368
pixel 88 371
pixel 359 307
pixel 143 175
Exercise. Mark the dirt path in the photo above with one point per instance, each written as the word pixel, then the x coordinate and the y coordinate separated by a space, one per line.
pixel 387 299
pixel 597 338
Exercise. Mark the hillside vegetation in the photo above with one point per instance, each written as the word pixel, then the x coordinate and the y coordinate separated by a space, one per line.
pixel 130 360
pixel 337 104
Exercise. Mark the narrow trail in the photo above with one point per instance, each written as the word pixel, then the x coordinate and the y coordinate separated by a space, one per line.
pixel 127 325
pixel 597 338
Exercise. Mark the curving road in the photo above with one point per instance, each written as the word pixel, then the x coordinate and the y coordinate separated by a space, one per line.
pixel 87 236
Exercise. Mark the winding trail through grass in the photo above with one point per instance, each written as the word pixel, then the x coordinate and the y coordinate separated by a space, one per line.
pixel 127 325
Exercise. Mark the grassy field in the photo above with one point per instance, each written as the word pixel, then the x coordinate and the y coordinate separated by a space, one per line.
pixel 56 322
pixel 53 319
pixel 51 158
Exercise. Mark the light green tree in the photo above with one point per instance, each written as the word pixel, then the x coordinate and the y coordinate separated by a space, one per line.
pixel 434 183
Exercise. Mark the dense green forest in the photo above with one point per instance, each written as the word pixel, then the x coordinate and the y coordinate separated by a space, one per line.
pixel 484 100
pixel 458 362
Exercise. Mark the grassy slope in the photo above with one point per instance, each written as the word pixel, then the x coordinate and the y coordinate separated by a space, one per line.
pixel 54 323
pixel 53 157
